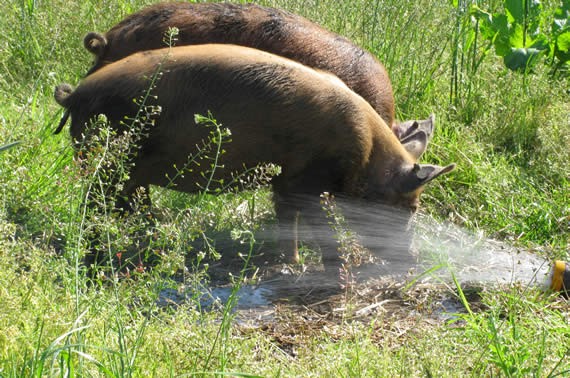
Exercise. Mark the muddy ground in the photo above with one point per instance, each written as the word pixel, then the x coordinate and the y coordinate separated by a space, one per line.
pixel 293 302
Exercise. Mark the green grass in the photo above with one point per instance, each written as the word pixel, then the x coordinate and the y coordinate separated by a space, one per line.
pixel 509 136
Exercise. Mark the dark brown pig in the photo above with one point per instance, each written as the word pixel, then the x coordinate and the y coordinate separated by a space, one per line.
pixel 325 137
pixel 273 30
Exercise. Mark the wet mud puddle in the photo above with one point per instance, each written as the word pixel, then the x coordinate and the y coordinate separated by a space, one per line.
pixel 420 284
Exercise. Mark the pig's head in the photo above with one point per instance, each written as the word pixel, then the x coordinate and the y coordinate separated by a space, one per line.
pixel 394 177
pixel 407 183
pixel 384 221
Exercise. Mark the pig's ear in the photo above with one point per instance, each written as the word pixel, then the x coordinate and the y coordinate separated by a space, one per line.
pixel 421 174
pixel 407 129
pixel 427 126
pixel 95 43
pixel 415 135
pixel 416 144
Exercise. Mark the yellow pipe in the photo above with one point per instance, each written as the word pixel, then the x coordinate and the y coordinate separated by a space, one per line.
pixel 558 272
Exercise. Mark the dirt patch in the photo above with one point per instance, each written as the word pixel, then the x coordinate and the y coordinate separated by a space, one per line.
pixel 391 312
pixel 292 302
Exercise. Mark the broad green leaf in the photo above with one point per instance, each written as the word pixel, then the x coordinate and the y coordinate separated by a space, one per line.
pixel 563 41
pixel 562 17
pixel 540 42
pixel 481 14
pixel 515 10
pixel 562 51
pixel 486 26
pixel 534 17
pixel 517 14
pixel 502 40
pixel 521 59
pixel 516 36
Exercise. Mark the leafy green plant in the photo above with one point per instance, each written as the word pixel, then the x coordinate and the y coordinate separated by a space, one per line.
pixel 521 36
pixel 560 43
pixel 465 55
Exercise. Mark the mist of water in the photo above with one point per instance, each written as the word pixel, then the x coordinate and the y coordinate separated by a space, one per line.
pixel 440 248
pixel 472 257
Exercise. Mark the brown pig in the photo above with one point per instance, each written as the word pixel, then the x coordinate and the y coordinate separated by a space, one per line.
pixel 325 137
pixel 273 30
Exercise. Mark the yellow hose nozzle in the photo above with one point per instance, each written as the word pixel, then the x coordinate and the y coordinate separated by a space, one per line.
pixel 560 277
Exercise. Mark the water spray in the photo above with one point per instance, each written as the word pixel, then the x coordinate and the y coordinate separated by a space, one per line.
pixel 474 258
pixel 441 251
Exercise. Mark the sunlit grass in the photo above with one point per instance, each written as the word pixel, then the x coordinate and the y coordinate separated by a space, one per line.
pixel 509 137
